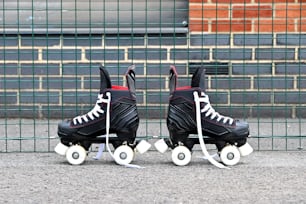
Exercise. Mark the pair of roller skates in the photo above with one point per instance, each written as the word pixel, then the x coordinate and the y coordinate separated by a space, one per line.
pixel 190 112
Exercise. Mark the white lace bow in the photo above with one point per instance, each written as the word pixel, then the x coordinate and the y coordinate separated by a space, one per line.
pixel 94 113
pixel 210 111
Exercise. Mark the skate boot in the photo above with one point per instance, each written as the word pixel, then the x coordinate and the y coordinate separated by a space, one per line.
pixel 115 112
pixel 190 112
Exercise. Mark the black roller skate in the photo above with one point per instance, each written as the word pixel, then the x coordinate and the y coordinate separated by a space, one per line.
pixel 115 112
pixel 190 112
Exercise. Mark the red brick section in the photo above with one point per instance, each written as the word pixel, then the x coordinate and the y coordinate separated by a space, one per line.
pixel 247 15
pixel 231 26
pixel 278 25
pixel 250 11
pixel 209 11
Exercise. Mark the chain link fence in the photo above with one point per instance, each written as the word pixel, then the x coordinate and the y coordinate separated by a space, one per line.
pixel 50 52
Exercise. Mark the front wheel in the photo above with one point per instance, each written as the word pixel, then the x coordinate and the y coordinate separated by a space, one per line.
pixel 230 155
pixel 181 156
pixel 76 154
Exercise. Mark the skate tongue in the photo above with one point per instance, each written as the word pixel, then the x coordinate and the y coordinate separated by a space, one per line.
pixel 105 81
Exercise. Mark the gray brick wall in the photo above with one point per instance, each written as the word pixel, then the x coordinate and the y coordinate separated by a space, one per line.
pixel 248 75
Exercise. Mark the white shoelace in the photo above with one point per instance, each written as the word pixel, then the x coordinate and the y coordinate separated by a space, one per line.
pixel 210 111
pixel 95 112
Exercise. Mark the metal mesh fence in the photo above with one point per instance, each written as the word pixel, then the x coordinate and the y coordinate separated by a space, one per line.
pixel 50 52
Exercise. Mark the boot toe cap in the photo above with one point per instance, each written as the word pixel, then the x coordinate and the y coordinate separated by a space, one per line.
pixel 241 129
pixel 65 129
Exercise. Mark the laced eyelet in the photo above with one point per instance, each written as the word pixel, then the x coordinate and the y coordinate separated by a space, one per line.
pixel 210 111
pixel 91 115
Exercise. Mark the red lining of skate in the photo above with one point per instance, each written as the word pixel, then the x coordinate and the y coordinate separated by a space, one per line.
pixel 116 87
pixel 183 88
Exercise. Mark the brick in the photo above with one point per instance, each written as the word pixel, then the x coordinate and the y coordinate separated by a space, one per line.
pixel 190 54
pixel 301 82
pixel 64 111
pixel 208 11
pixel 19 54
pixel 232 54
pixel 123 40
pixel 234 111
pixel 209 39
pixel 302 53
pixel 231 1
pixel 217 97
pixel 40 40
pixel 80 69
pixel 197 1
pixel 300 111
pixel 250 11
pixel 291 39
pixel 40 69
pixel 8 40
pixel 56 112
pixel 276 25
pixel 84 40
pixel 150 82
pixel 253 39
pixel 157 97
pixel 19 83
pixel 273 82
pixel 147 54
pixel 167 39
pixel 8 97
pixel 251 68
pixel 120 69
pixel 61 83
pixel 290 11
pixel 61 54
pixel 274 1
pixel 20 111
pixel 230 83
pixel 290 68
pixel 271 112
pixel 184 81
pixel 301 25
pixel 8 69
pixel 274 53
pixel 198 25
pixel 79 98
pixel 139 97
pixel 93 83
pixel 287 97
pixel 231 25
pixel 163 69
pixel 39 97
pixel 105 54
pixel 211 68
pixel 250 97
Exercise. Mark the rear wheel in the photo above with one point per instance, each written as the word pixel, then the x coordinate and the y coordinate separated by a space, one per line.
pixel 123 155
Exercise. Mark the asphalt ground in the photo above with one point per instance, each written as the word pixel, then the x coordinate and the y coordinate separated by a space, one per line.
pixel 262 177
pixel 277 176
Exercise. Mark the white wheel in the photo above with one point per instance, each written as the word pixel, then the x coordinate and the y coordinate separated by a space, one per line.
pixel 123 155
pixel 230 155
pixel 181 155
pixel 76 154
